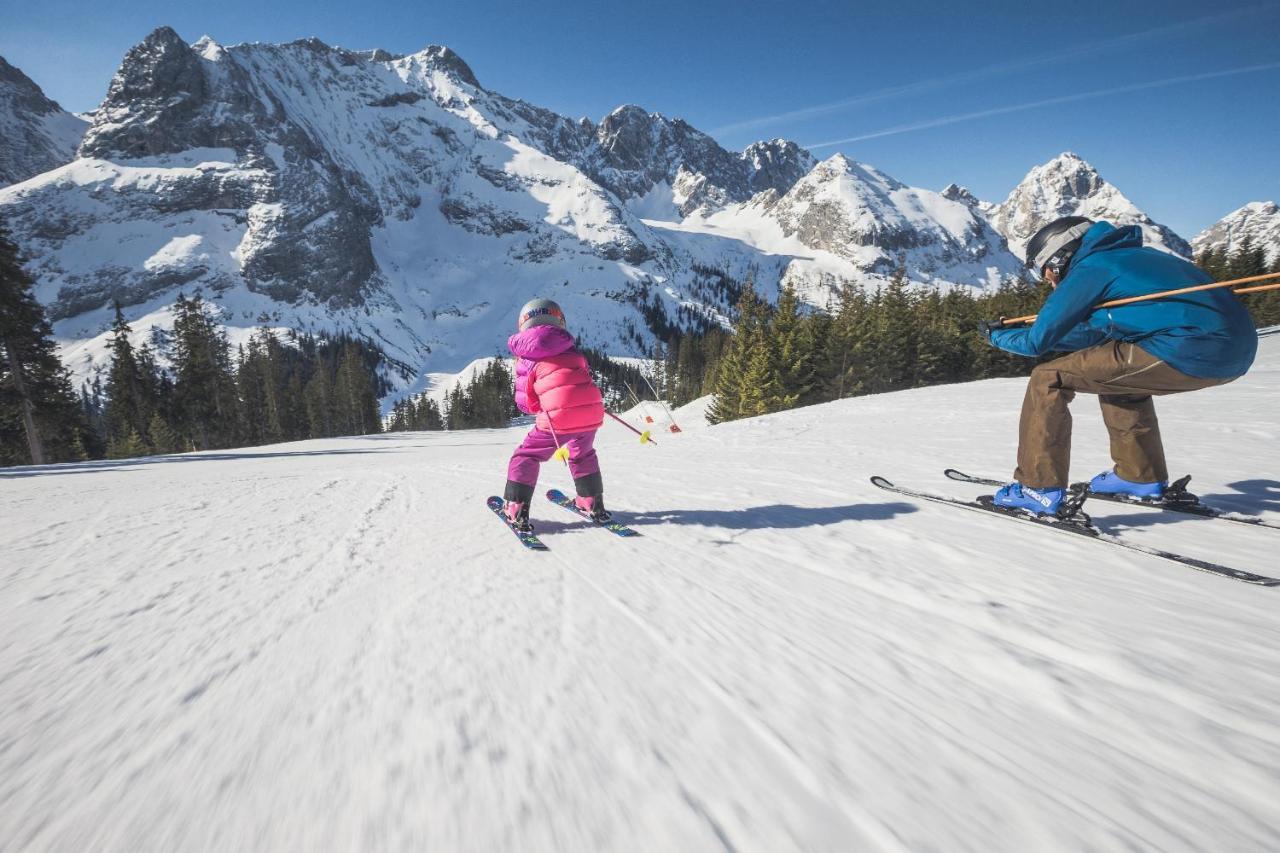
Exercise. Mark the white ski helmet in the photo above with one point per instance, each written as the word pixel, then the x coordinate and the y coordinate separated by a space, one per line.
pixel 540 312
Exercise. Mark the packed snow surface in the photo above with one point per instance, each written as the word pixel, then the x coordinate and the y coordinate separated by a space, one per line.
pixel 333 645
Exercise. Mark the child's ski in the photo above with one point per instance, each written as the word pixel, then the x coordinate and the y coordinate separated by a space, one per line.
pixel 528 539
pixel 561 499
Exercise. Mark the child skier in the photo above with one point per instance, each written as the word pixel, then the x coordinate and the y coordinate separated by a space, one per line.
pixel 554 383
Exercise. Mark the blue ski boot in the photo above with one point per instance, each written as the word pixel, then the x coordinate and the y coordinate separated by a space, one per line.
pixel 1034 501
pixel 1111 483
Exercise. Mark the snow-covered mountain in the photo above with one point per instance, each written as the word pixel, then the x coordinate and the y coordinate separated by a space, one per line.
pixel 396 198
pixel 857 212
pixel 36 134
pixel 389 196
pixel 1257 220
pixel 847 221
pixel 1068 186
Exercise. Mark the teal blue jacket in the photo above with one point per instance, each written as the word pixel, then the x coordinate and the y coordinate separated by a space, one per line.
pixel 1208 334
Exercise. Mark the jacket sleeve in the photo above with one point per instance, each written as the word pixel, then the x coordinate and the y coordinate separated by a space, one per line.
pixel 1060 324
pixel 531 395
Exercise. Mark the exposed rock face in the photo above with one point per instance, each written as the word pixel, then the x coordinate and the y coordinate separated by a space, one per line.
pixel 634 150
pixel 1259 221
pixel 36 134
pixel 776 165
pixel 1068 186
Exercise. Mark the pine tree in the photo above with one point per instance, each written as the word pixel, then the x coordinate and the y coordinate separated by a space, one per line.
pixel 129 445
pixel 204 387
pixel 795 349
pixel 731 372
pixel 130 394
pixel 356 404
pixel 321 411
pixel 41 419
pixel 1248 260
pixel 163 438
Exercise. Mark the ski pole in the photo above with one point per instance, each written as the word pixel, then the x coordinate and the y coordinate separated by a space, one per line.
pixel 675 427
pixel 1031 318
pixel 644 436
pixel 562 451
pixel 639 403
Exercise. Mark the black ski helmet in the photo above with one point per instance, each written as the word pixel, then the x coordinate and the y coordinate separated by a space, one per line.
pixel 1054 244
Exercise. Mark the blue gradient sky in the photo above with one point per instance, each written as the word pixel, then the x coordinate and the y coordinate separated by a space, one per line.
pixel 931 92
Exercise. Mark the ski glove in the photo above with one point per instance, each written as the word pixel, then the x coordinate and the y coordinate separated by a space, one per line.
pixel 986 327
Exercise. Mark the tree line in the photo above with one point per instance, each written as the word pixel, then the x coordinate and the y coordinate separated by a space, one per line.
pixel 209 397
pixel 866 341
pixel 869 341
pixel 269 390
pixel 1248 259
pixel 487 400
pixel 289 387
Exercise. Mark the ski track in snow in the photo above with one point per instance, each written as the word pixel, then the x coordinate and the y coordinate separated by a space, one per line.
pixel 331 645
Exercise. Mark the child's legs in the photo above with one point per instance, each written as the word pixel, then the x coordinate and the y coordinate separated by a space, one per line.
pixel 522 470
pixel 584 465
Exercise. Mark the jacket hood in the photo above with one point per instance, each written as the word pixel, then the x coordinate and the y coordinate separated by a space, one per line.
pixel 1104 236
pixel 540 342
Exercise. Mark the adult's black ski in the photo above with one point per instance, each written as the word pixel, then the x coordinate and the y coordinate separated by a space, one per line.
pixel 1081 527
pixel 1177 499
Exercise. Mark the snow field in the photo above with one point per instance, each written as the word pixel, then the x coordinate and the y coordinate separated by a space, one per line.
pixel 332 645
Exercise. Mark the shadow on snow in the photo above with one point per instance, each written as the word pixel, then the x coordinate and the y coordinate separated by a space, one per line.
pixel 1251 497
pixel 776 516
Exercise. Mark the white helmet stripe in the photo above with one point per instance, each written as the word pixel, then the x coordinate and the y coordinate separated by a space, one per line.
pixel 1055 243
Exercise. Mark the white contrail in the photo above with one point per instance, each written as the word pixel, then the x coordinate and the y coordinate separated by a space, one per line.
pixel 1031 105
pixel 922 86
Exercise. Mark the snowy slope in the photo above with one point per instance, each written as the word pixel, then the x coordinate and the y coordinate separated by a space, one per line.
pixel 1257 220
pixel 1069 186
pixel 36 134
pixel 332 645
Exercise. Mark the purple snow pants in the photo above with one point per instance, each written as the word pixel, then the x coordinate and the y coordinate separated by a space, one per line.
pixel 539 446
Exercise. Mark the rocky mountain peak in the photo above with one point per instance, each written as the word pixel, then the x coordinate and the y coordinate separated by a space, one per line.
pixel 1067 185
pixel 446 60
pixel 21 92
pixel 36 134
pixel 955 192
pixel 873 221
pixel 1258 221
pixel 776 165
pixel 159 80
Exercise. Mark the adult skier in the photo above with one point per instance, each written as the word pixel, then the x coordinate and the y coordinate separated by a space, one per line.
pixel 1124 354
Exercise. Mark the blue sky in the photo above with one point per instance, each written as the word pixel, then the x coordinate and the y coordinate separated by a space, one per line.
pixel 1177 107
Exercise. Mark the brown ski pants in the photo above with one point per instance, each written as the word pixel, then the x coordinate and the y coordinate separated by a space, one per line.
pixel 1124 376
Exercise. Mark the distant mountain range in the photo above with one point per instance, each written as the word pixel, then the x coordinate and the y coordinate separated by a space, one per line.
pixel 394 197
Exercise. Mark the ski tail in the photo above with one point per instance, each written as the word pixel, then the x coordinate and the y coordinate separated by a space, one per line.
pixel 528 538
pixel 561 499
pixel 1085 530
pixel 1177 499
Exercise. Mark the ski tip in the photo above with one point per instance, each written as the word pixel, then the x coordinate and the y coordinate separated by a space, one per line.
pixel 877 480
pixel 953 474
pixel 554 494
pixel 495 502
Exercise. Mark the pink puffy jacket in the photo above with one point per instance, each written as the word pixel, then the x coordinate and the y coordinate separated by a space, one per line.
pixel 553 381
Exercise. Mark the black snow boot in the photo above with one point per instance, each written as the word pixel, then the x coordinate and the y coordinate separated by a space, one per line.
pixel 590 498
pixel 518 496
